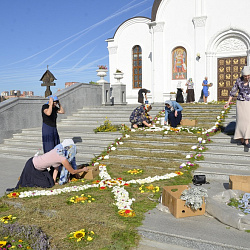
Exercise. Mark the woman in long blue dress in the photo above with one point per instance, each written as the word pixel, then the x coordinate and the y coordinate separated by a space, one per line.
pixel 205 90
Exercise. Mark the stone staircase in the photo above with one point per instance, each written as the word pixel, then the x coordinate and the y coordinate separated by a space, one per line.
pixel 79 126
pixel 223 157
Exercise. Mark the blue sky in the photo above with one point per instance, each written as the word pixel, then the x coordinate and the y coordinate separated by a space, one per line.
pixel 67 35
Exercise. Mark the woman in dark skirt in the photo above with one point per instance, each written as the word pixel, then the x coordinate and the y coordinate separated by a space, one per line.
pixel 190 90
pixel 173 113
pixel 35 172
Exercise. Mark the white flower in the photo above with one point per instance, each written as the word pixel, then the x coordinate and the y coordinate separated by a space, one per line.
pixel 188 156
pixel 218 117
pixel 194 147
pixel 132 130
pixel 127 136
pixel 106 157
pixel 199 139
pixel 113 148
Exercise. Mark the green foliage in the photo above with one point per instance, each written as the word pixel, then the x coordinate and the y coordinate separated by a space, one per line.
pixel 3 207
pixel 96 83
pixel 108 127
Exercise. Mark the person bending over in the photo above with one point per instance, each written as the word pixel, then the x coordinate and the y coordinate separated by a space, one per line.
pixel 173 113
pixel 36 174
pixel 138 118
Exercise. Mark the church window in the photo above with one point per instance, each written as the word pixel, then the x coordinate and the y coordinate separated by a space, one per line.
pixel 179 62
pixel 137 67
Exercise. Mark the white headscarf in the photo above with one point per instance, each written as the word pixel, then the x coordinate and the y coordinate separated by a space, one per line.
pixel 67 148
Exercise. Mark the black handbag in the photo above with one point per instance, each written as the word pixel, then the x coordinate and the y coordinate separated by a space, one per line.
pixel 199 179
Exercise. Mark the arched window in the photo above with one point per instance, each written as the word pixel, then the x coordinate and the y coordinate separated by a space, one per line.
pixel 137 67
pixel 179 59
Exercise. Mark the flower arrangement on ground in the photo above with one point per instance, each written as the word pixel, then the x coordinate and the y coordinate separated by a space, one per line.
pixel 7 219
pixel 11 243
pixel 81 199
pixel 82 235
pixel 135 171
pixel 13 195
pixel 126 213
pixel 150 188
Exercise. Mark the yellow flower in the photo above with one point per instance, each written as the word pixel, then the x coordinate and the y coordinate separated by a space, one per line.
pixel 89 238
pixel 92 232
pixel 79 234
pixel 20 240
pixel 3 243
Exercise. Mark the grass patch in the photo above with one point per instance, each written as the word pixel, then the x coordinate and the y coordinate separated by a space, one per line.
pixel 58 219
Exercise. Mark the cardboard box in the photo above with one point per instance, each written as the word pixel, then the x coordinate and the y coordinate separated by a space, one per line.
pixel 171 198
pixel 240 182
pixel 187 122
pixel 91 174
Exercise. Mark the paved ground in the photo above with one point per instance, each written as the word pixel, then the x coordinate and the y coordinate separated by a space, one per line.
pixel 10 170
pixel 161 230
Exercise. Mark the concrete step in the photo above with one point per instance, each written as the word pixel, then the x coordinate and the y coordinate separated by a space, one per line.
pixel 227 155
pixel 220 174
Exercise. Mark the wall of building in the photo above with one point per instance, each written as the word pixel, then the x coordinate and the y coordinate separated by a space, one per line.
pixel 20 113
pixel 133 32
pixel 213 29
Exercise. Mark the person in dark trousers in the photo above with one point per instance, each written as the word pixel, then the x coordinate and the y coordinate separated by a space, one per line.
pixel 173 113
pixel 141 94
pixel 50 135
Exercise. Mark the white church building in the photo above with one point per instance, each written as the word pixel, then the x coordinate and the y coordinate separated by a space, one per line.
pixel 183 39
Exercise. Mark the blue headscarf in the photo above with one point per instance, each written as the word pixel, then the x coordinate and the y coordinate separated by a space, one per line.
pixel 55 98
pixel 67 149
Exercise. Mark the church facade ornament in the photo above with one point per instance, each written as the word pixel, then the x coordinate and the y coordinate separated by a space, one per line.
pixel 199 21
pixel 231 44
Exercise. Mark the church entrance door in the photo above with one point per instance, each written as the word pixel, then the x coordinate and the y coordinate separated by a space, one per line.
pixel 229 69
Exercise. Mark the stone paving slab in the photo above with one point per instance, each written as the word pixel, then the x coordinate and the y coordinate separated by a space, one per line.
pixel 10 170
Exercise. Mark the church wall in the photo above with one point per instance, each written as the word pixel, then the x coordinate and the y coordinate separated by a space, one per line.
pixel 199 26
pixel 125 39
pixel 178 31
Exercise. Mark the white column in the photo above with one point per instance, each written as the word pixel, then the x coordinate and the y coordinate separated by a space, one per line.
pixel 199 49
pixel 156 30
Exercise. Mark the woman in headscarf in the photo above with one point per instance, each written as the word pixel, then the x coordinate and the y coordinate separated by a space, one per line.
pixel 241 86
pixel 138 117
pixel 190 90
pixel 35 172
pixel 50 135
pixel 179 95
pixel 173 113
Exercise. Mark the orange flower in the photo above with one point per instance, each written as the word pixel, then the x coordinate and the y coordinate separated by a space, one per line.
pixel 127 213
pixel 179 172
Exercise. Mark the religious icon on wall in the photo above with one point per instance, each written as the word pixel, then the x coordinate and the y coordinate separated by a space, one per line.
pixel 179 59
